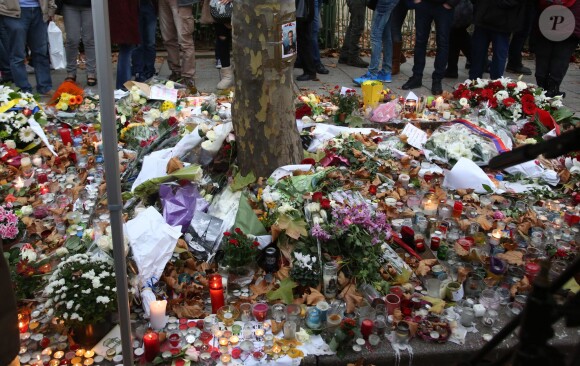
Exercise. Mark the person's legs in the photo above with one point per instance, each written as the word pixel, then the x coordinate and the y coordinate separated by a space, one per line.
pixel 143 57
pixel 124 65
pixel 423 20
pixel 72 25
pixel 350 52
pixel 500 43
pixel 443 18
pixel 304 50
pixel 223 39
pixel 169 34
pixel 185 23
pixel 397 20
pixel 378 25
pixel 544 50
pixel 560 62
pixel 387 65
pixel 88 36
pixel 37 39
pixel 16 47
pixel 315 30
pixel 518 41
pixel 455 37
pixel 479 46
pixel 465 43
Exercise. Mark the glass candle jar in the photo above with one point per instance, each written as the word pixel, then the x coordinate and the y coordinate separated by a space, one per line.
pixel 330 279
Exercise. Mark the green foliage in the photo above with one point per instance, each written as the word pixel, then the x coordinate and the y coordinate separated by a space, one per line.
pixel 238 248
pixel 284 292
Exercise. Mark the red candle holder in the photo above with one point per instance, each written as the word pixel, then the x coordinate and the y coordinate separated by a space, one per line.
pixel 366 328
pixel 23 321
pixel 260 310
pixel 216 292
pixel 151 345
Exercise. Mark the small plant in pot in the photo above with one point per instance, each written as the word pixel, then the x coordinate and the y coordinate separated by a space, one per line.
pixel 82 293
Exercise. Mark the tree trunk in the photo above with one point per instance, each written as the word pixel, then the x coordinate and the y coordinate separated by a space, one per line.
pixel 263 110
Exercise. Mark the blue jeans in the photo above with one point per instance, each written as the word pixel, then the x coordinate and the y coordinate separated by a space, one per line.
pixel 426 13
pixel 124 65
pixel 143 56
pixel 315 30
pixel 480 43
pixel 31 30
pixel 381 42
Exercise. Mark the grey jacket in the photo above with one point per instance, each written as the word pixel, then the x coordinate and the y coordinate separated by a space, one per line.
pixel 11 8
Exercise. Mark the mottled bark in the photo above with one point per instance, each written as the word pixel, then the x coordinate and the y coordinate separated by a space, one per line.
pixel 263 110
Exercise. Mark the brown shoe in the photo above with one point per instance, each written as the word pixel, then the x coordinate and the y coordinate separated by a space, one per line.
pixel 189 83
pixel 396 60
pixel 174 76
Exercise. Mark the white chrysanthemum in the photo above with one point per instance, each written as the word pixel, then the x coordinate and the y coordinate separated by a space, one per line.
pixel 285 208
pixel 26 134
pixel 103 299
pixel 8 129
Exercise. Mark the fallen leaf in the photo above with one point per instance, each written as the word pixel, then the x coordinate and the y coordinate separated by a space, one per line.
pixel 260 288
pixel 483 221
pixel 284 292
pixel 283 272
pixel 314 297
pixel 460 250
pixel 294 227
pixel 512 257
pixel 352 298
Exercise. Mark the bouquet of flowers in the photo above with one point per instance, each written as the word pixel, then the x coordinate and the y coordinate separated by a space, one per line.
pixel 69 102
pixel 8 223
pixel 28 271
pixel 346 103
pixel 82 290
pixel 17 111
pixel 305 270
pixel 343 337
pixel 309 106
pixel 239 249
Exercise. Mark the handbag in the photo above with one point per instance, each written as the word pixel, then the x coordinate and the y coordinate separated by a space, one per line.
pixel 205 17
pixel 222 13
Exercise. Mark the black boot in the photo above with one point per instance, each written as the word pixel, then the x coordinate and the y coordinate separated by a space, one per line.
pixel 553 89
pixel 541 82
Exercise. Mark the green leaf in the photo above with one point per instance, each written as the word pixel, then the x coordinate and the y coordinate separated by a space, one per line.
pixel 487 188
pixel 317 156
pixel 294 227
pixel 73 243
pixel 241 182
pixel 284 292
pixel 562 113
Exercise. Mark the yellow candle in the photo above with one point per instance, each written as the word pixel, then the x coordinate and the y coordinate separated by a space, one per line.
pixel 276 349
pixel 47 351
pixel 259 333
pixel 80 352
pixel 88 362
pixel 76 360
pixel 226 358
pixel 58 355
pixel 54 362
pixel 223 341
pixel 89 354
pixel 234 340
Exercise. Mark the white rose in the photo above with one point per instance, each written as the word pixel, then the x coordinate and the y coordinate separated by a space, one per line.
pixel 211 135
pixel 521 85
pixel 26 210
pixel 464 102
pixel 501 95
pixel 10 144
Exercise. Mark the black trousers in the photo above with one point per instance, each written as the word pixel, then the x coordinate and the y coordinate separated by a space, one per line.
pixel 223 41
pixel 304 30
pixel 459 41
pixel 553 58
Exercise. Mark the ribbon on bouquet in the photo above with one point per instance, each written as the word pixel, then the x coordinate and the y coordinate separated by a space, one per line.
pixel 499 145
pixel 10 107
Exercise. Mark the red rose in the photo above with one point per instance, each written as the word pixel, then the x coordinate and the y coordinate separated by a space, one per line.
pixel 508 102
pixel 529 130
pixel 492 102
pixel 238 230
pixel 511 85
pixel 317 196
pixel 303 110
pixel 466 94
pixel 308 161
pixel 325 204
pixel 529 108
pixel 545 118
pixel 528 98
pixel 172 121
pixel 234 242
pixel 256 244
pixel 487 93
pixel 227 233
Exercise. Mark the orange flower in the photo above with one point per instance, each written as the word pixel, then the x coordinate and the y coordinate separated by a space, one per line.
pixel 78 99
pixel 10 198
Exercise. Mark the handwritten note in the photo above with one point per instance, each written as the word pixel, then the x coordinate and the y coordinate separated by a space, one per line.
pixel 415 136
pixel 159 92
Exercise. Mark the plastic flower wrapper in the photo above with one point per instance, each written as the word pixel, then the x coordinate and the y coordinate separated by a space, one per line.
pixel 215 139
pixel 179 203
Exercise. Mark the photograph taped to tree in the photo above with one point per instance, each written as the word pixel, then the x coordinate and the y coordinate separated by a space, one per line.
pixel 289 39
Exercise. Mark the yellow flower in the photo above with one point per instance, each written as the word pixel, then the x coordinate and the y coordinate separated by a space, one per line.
pixel 167 105
pixel 62 106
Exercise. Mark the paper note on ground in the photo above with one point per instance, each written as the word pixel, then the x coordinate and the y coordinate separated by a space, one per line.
pixel 466 174
pixel 415 136
pixel 159 92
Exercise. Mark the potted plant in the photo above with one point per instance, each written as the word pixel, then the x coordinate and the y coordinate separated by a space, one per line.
pixel 305 272
pixel 239 256
pixel 82 293
pixel 346 103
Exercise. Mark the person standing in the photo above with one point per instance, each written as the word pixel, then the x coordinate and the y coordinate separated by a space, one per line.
pixel 24 22
pixel 553 58
pixel 397 20
pixel 143 57
pixel 177 24
pixel 427 12
pixel 223 33
pixel 514 61
pixel 459 39
pixel 78 24
pixel 381 44
pixel 494 22
pixel 350 51
pixel 304 17
pixel 124 26
pixel 315 31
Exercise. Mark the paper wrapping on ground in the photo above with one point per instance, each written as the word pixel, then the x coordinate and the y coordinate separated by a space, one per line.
pixel 186 144
pixel 211 147
pixel 465 175
pixel 154 166
pixel 152 241
pixel 323 132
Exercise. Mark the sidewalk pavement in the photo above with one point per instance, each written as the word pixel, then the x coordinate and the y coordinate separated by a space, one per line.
pixel 207 77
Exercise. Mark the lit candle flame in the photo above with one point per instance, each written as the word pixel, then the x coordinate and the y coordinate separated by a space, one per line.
pixel 19 183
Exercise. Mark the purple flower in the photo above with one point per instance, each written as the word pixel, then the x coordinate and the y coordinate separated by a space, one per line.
pixel 319 233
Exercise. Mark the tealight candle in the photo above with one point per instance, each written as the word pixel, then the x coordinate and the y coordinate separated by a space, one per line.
pixel 225 358
pixel 234 340
pixel 58 355
pixel 80 352
pixel 223 341
pixel 47 351
pixel 54 362
pixel 89 353
pixel 76 360
pixel 276 349
pixel 404 179
pixel 88 362
pixel 259 333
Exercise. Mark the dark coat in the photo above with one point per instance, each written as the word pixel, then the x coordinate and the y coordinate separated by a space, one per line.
pixel 451 3
pixel 505 16
pixel 124 21
pixel 10 343
pixel 79 3
pixel 309 16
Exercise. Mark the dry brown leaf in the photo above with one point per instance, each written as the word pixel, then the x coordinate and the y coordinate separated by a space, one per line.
pixel 314 297
pixel 422 269
pixel 523 285
pixel 174 164
pixel 512 257
pixel 260 288
pixel 484 222
pixel 283 272
pixel 460 250
pixel 352 298
pixel 189 311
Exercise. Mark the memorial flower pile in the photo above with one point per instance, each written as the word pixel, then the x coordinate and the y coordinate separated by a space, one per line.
pixel 17 112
